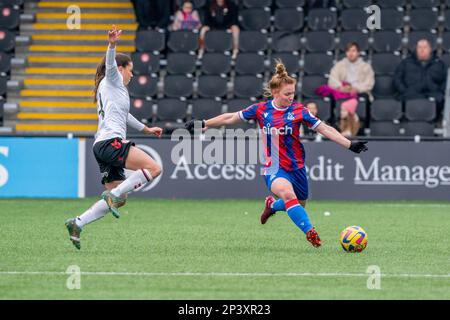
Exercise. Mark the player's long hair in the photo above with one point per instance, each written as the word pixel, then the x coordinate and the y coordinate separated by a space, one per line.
pixel 122 60
pixel 280 78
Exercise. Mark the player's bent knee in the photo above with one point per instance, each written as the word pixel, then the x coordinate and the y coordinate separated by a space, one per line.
pixel 287 195
pixel 154 170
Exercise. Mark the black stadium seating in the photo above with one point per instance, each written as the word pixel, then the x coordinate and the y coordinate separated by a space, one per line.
pixel 216 63
pixel 308 39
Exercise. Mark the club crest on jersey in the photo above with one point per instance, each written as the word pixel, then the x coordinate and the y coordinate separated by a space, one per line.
pixel 291 116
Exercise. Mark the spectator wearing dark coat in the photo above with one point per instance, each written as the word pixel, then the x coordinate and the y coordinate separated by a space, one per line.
pixel 221 15
pixel 422 75
pixel 152 13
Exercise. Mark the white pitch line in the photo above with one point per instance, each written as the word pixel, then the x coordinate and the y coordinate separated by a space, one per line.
pixel 222 274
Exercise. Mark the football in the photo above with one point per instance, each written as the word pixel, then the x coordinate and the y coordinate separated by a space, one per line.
pixel 353 239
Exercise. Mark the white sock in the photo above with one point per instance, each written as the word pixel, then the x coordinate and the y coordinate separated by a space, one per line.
pixel 97 211
pixel 134 181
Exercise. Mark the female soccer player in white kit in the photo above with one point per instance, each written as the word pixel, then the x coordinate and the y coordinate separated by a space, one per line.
pixel 112 152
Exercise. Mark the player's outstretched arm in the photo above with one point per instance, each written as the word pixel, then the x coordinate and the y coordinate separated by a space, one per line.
pixel 112 72
pixel 334 135
pixel 223 119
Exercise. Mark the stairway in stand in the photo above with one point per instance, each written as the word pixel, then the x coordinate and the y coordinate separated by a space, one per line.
pixel 54 91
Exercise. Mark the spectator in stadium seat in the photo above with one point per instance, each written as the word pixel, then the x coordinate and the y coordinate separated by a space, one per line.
pixel 186 18
pixel 221 15
pixel 152 13
pixel 352 75
pixel 422 75
pixel 305 131
pixel 349 124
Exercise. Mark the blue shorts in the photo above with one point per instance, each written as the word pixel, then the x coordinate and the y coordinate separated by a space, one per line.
pixel 297 178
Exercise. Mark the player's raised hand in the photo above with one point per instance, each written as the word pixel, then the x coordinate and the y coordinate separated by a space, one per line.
pixel 358 146
pixel 113 36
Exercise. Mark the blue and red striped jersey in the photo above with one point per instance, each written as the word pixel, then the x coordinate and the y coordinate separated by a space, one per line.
pixel 281 131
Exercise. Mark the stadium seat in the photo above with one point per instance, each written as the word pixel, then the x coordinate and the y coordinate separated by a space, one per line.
pixel 249 64
pixel 309 85
pixel 218 41
pixel 141 109
pixel 323 108
pixel 5 62
pixel 183 41
pixel 288 19
pixel 425 3
pixel 415 36
pixel 447 19
pixel 181 63
pixel 2 102
pixel 13 2
pixel 290 60
pixel 290 3
pixel 283 41
pixel 322 19
pixel 356 3
pixel 392 19
pixel 320 41
pixel 385 63
pixel 206 108
pixel 361 109
pixel 255 18
pixel 446 59
pixel 387 41
pixel 7 40
pixel 149 40
pixel 145 63
pixel 212 86
pixel 391 3
pixel 446 41
pixel 248 86
pixel 177 86
pixel 256 3
pixel 9 17
pixel 384 87
pixel 317 63
pixel 420 110
pixel 354 19
pixel 216 63
pixel 235 105
pixel 423 19
pixel 421 128
pixel 360 37
pixel 3 87
pixel 143 86
pixel 252 41
pixel 385 110
pixel 171 114
pixel 384 129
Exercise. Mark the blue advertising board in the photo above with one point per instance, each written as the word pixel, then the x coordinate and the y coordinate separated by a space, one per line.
pixel 38 167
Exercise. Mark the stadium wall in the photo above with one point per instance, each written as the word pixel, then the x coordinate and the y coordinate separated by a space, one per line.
pixel 66 168
pixel 39 167
pixel 391 170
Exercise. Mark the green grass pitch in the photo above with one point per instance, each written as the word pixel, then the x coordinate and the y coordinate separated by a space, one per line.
pixel 187 249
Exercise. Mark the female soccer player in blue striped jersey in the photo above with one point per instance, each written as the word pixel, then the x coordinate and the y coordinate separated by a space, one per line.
pixel 279 119
pixel 111 149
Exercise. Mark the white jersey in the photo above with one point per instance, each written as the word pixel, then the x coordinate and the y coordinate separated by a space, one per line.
pixel 113 104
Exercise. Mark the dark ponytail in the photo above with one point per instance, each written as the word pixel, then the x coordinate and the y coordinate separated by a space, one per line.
pixel 122 60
